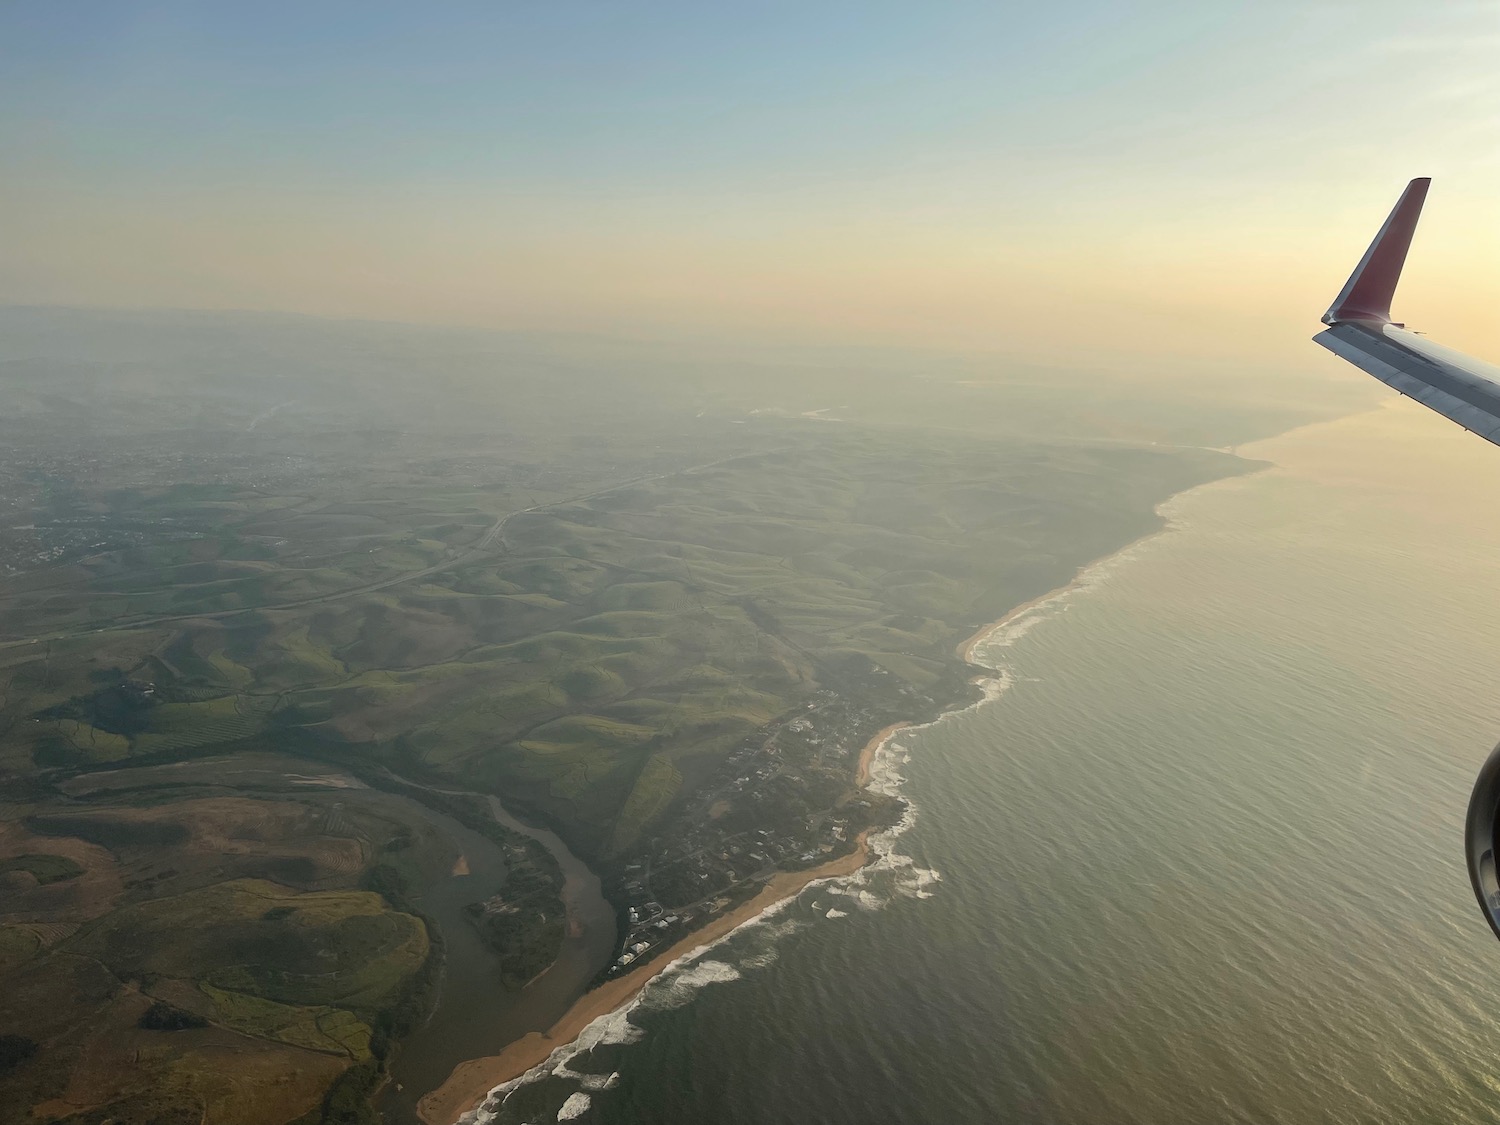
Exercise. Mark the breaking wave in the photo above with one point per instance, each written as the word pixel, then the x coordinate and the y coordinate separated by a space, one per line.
pixel 676 989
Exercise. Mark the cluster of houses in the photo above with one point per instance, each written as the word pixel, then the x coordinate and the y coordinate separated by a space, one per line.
pixel 749 855
pixel 649 926
pixel 705 857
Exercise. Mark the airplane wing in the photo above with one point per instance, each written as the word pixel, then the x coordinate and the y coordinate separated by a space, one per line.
pixel 1360 330
pixel 1457 386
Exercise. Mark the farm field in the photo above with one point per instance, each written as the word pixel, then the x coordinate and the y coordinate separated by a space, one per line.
pixel 135 943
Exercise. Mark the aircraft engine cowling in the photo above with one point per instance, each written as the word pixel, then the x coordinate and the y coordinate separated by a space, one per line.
pixel 1480 845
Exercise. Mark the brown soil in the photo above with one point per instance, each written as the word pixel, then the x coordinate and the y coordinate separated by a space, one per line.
pixel 71 900
pixel 239 1079
pixel 254 831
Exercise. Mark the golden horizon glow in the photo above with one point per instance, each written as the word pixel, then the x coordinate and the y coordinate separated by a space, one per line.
pixel 1177 232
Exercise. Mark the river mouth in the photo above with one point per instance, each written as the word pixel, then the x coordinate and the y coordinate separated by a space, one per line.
pixel 474 1014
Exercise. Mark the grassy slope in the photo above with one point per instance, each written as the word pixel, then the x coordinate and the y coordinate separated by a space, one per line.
pixel 602 642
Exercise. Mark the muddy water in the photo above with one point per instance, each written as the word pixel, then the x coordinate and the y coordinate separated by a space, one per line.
pixel 475 1013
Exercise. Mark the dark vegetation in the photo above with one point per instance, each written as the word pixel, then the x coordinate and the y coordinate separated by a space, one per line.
pixel 110 832
pixel 120 706
pixel 347 1101
pixel 526 940
pixel 164 1017
pixel 43 868
pixel 14 1050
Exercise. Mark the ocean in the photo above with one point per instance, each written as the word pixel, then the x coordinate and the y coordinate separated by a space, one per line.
pixel 1196 858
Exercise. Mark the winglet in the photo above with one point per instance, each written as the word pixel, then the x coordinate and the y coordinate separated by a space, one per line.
pixel 1367 294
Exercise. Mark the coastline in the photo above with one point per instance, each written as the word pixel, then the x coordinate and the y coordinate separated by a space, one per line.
pixel 867 755
pixel 965 650
pixel 471 1082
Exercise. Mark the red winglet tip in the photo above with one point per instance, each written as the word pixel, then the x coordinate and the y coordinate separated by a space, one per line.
pixel 1367 294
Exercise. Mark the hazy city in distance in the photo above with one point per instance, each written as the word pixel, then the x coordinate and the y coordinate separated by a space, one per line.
pixel 703 563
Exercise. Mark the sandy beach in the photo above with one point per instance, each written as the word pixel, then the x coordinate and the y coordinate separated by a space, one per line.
pixel 966 649
pixel 467 1086
pixel 867 755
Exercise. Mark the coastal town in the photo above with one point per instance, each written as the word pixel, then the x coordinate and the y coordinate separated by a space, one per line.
pixel 790 798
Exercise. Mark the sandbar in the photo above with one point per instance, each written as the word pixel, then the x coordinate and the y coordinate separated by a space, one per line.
pixel 472 1081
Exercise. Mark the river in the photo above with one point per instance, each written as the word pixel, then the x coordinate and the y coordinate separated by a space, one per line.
pixel 475 1014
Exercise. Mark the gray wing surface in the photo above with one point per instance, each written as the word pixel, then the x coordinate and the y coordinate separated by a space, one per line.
pixel 1360 330
pixel 1457 386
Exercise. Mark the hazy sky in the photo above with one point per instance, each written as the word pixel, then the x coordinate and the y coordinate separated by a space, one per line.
pixel 1174 183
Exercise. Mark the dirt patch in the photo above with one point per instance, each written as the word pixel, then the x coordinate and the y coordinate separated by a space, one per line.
pixel 306 846
pixel 284 830
pixel 50 933
pixel 73 900
pixel 238 1080
pixel 102 1073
